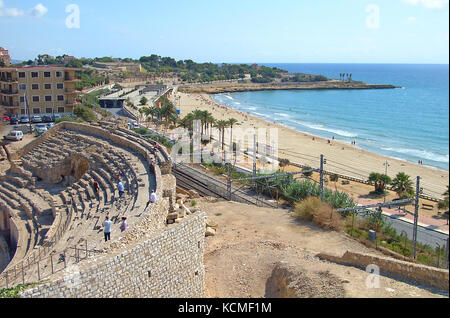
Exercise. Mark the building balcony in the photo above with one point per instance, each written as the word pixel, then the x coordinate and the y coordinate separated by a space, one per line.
pixel 8 79
pixel 8 104
pixel 69 78
pixel 9 92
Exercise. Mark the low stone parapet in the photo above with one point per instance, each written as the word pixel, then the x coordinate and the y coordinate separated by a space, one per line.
pixel 426 275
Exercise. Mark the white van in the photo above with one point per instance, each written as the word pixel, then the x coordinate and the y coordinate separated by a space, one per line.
pixel 15 135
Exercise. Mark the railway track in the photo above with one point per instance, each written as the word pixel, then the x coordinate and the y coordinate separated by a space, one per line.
pixel 189 178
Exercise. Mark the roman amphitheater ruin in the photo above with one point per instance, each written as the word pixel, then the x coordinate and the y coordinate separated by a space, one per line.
pixel 51 218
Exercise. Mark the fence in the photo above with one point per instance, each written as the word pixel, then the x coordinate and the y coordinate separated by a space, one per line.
pixel 395 235
pixel 41 264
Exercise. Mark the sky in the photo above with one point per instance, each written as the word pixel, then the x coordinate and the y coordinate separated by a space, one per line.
pixel 232 31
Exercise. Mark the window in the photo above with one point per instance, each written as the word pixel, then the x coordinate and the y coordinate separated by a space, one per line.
pixel 35 86
pixel 58 74
pixel 23 87
pixel 22 111
pixel 47 86
pixel 48 98
pixel 61 109
pixel 36 110
pixel 22 99
pixel 60 86
pixel 60 98
pixel 47 74
pixel 49 110
pixel 34 74
pixel 21 74
pixel 36 99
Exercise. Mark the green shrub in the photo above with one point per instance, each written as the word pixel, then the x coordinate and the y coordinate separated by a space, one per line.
pixel 85 113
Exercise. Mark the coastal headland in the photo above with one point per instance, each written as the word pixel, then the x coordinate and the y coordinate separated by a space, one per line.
pixel 233 87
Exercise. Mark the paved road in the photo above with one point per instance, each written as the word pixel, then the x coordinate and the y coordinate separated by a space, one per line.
pixel 424 236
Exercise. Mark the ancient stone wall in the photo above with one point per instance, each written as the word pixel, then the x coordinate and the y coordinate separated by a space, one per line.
pixel 167 265
pixel 418 273
pixel 4 253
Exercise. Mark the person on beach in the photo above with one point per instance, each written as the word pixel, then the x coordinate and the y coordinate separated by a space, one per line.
pixel 107 229
pixel 124 225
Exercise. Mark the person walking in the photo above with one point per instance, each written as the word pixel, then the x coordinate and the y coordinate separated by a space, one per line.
pixel 107 229
pixel 124 225
pixel 120 188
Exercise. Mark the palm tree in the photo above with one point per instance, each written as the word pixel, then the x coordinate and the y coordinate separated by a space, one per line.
pixel 380 181
pixel 402 185
pixel 221 125
pixel 444 204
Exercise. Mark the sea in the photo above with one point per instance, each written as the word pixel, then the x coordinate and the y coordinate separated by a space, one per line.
pixel 409 123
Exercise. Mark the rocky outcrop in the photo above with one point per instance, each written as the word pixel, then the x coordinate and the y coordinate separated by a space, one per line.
pixel 288 281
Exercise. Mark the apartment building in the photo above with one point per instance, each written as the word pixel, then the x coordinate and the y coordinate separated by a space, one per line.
pixel 4 56
pixel 47 90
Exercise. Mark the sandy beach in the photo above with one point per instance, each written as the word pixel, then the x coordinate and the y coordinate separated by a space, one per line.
pixel 306 149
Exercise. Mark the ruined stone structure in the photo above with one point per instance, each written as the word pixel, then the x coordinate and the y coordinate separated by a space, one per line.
pixel 48 207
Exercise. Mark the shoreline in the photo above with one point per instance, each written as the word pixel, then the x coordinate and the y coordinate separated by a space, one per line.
pixel 325 138
pixel 342 157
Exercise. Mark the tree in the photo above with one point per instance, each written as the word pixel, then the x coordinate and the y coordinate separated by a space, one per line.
pixel 402 185
pixel 380 181
pixel 2 63
pixel 221 125
pixel 143 101
pixel 445 203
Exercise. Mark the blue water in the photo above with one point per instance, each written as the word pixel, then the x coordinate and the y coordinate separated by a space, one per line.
pixel 411 123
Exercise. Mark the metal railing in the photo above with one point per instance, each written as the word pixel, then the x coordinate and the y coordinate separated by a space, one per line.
pixel 37 258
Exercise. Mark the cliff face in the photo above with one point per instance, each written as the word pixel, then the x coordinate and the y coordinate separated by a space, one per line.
pixel 235 87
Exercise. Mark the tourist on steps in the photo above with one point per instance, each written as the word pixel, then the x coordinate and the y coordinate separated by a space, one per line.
pixel 153 199
pixel 96 187
pixel 124 225
pixel 107 229
pixel 121 189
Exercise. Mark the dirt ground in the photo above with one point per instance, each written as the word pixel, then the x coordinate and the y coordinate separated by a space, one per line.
pixel 240 258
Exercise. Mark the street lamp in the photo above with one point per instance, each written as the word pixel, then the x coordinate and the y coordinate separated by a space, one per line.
pixel 386 164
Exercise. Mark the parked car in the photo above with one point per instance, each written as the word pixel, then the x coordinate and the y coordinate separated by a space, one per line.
pixel 5 118
pixel 56 117
pixel 47 119
pixel 36 119
pixel 24 120
pixel 136 126
pixel 14 120
pixel 50 125
pixel 14 135
pixel 40 129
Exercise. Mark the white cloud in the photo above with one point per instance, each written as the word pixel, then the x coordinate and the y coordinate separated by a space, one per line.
pixel 430 4
pixel 39 11
pixel 1 4
pixel 11 12
pixel 412 19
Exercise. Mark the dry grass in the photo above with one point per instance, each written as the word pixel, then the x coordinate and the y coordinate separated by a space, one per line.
pixel 320 213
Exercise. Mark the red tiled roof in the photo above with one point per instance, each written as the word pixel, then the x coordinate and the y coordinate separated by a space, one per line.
pixel 47 67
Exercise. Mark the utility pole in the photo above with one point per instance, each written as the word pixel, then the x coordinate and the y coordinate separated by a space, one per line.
pixel 27 109
pixel 386 165
pixel 254 156
pixel 416 217
pixel 321 176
